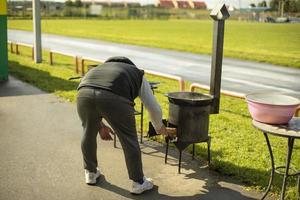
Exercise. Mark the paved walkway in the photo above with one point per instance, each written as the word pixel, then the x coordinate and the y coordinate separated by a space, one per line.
pixel 41 158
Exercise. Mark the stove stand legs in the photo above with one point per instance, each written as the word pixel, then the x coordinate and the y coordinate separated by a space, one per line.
pixel 166 156
pixel 167 151
pixel 193 153
pixel 179 164
pixel 208 151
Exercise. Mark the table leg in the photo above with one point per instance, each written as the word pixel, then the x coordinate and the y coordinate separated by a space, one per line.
pixel 288 159
pixel 272 164
pixel 299 186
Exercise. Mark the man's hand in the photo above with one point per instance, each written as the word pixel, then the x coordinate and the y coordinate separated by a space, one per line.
pixel 171 131
pixel 166 131
pixel 162 131
pixel 105 132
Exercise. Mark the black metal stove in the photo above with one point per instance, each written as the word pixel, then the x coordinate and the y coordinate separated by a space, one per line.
pixel 189 111
pixel 189 114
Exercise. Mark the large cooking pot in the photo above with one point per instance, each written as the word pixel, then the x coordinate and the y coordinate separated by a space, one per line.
pixel 189 98
pixel 189 113
pixel 272 108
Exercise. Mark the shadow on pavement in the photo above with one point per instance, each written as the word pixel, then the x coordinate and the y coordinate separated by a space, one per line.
pixel 14 87
pixel 214 188
pixel 206 194
pixel 39 78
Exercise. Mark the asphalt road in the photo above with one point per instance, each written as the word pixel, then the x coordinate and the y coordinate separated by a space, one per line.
pixel 238 76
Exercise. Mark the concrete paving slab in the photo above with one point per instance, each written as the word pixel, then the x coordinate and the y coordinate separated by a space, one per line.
pixel 41 157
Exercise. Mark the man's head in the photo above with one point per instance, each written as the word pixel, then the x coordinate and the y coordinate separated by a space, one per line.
pixel 120 59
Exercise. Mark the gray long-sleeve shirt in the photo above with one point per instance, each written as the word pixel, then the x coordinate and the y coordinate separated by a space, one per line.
pixel 151 104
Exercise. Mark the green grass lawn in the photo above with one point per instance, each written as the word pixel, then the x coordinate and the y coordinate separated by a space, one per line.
pixel 238 150
pixel 263 42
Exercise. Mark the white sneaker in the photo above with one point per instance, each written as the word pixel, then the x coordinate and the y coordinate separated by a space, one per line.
pixel 91 177
pixel 140 188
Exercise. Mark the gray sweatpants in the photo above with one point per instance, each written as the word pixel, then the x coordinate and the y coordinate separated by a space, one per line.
pixel 95 104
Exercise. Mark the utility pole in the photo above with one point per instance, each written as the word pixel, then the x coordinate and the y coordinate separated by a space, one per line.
pixel 37 31
pixel 282 8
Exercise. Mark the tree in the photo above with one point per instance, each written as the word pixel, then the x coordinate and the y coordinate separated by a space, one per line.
pixel 274 4
pixel 292 6
pixel 78 3
pixel 298 5
pixel 69 3
pixel 262 4
pixel 289 5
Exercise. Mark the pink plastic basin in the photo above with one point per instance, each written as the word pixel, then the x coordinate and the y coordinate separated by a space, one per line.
pixel 272 108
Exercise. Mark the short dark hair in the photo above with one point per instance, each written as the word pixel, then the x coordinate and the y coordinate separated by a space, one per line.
pixel 121 59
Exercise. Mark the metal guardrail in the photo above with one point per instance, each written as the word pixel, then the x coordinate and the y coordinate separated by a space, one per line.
pixel 150 72
pixel 231 94
pixel 83 59
pixel 17 44
pixel 26 45
pixel 11 46
pixel 168 76
pixel 224 92
pixel 76 58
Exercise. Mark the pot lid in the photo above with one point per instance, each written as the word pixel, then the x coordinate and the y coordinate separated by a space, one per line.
pixel 272 99
pixel 189 98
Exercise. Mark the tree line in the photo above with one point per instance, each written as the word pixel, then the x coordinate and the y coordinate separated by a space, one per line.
pixel 290 6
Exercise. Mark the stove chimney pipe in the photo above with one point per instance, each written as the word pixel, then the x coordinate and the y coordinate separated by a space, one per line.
pixel 219 14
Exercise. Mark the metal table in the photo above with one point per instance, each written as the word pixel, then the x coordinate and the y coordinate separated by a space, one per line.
pixel 291 131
